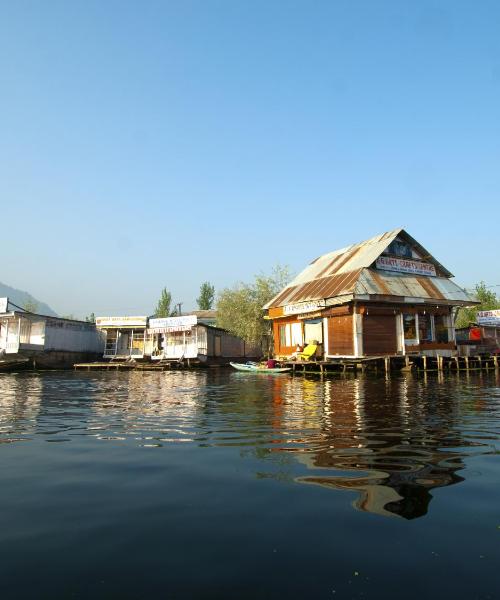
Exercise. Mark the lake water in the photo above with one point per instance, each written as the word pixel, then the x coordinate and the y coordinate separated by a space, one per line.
pixel 230 485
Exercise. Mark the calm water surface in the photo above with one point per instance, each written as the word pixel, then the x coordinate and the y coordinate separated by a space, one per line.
pixel 232 485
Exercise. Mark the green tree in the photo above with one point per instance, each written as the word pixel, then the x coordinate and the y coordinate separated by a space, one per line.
pixel 240 308
pixel 30 306
pixel 90 318
pixel 207 295
pixel 488 299
pixel 163 308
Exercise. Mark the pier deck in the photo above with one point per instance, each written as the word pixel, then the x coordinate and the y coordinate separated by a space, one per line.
pixel 419 363
pixel 373 364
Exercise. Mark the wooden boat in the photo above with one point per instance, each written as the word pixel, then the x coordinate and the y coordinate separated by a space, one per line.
pixel 251 367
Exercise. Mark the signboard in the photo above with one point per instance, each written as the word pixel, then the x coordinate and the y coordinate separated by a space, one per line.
pixel 121 321
pixel 3 304
pixel 168 324
pixel 488 317
pixel 303 307
pixel 402 265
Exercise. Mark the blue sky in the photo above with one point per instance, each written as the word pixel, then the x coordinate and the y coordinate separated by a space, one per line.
pixel 152 144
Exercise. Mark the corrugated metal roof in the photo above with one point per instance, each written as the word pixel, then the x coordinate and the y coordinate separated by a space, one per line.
pixel 347 271
pixel 352 258
pixel 409 286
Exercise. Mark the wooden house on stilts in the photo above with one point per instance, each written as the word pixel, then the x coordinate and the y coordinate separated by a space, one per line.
pixel 385 296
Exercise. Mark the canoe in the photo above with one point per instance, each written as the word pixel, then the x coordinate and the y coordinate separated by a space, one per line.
pixel 255 368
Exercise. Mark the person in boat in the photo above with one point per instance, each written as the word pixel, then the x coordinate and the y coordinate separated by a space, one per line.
pixel 271 363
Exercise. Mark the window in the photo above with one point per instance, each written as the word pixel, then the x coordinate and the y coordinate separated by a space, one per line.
pixel 285 332
pixel 409 328
pixel 424 328
pixel 441 328
pixel 313 331
pixel 282 335
pixel 399 248
pixel 296 334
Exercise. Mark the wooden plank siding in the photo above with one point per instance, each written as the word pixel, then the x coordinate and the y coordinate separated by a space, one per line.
pixel 340 336
pixel 379 334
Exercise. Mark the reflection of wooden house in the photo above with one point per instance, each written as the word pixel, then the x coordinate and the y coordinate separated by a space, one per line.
pixel 125 336
pixel 194 339
pixel 385 296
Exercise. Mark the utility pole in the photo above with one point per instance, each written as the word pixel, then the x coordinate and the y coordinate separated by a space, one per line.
pixel 179 305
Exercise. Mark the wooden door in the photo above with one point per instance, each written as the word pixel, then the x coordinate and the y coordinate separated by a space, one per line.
pixel 379 335
pixel 340 338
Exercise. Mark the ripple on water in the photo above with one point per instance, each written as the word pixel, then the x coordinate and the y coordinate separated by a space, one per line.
pixel 409 434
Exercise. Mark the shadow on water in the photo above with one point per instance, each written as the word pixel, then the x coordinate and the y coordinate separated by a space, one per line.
pixel 392 440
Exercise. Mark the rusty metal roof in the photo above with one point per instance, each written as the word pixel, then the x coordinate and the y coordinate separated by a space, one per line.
pixel 373 282
pixel 348 271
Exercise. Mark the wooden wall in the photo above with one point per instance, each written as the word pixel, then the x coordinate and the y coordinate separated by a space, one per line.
pixel 340 338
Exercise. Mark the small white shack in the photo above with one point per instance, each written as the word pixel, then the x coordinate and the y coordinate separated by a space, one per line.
pixel 50 342
pixel 186 337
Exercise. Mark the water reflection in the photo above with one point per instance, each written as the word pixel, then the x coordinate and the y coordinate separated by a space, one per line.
pixel 391 441
pixel 397 440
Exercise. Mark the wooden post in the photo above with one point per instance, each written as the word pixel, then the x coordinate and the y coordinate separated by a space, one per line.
pixel 495 361
pixel 440 362
pixel 424 360
pixel 387 362
pixel 466 363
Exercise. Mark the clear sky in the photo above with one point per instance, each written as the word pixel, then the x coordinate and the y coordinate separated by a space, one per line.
pixel 161 144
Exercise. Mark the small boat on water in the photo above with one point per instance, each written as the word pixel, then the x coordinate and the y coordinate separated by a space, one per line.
pixel 251 367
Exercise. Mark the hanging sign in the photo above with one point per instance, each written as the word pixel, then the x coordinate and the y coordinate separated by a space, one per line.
pixel 304 307
pixel 169 324
pixel 121 321
pixel 3 304
pixel 488 317
pixel 402 265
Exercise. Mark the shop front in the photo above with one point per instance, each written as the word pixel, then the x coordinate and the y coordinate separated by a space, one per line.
pixel 125 336
pixel 174 337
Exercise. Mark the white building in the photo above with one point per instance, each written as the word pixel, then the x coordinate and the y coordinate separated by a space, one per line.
pixel 188 337
pixel 49 341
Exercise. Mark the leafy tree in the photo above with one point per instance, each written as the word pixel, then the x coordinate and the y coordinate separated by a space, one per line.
pixel 90 318
pixel 163 308
pixel 206 298
pixel 240 308
pixel 488 299
pixel 30 306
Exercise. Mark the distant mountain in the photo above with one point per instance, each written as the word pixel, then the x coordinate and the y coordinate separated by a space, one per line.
pixel 20 298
